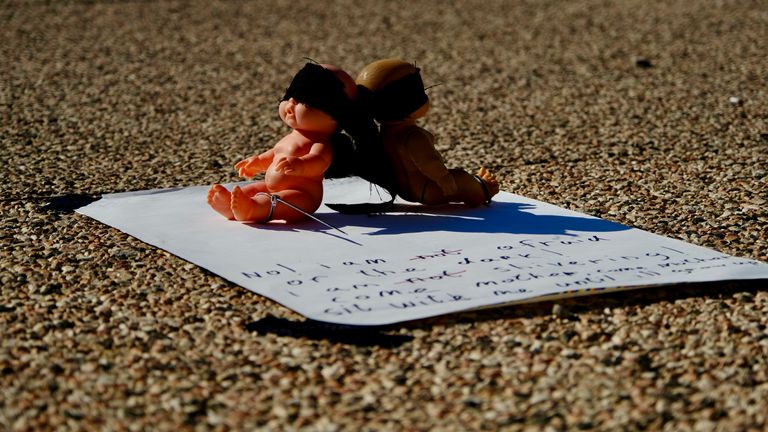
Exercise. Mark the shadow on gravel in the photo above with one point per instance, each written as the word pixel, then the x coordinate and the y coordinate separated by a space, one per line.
pixel 317 330
pixel 69 203
pixel 570 308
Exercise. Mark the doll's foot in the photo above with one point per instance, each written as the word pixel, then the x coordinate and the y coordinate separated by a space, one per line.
pixel 245 208
pixel 219 199
pixel 489 183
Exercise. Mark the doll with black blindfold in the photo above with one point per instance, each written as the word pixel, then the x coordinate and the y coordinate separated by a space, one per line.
pixel 397 99
pixel 317 101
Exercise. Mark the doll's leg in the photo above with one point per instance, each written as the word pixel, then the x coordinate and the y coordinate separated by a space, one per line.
pixel 488 182
pixel 301 199
pixel 471 189
pixel 219 198
pixel 253 208
pixel 252 189
pixel 258 208
pixel 476 189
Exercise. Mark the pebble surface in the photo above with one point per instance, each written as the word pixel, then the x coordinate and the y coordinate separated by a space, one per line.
pixel 652 115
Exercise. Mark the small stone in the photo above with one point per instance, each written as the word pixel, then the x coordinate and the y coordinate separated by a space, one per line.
pixel 735 100
pixel 561 311
pixel 557 309
pixel 643 63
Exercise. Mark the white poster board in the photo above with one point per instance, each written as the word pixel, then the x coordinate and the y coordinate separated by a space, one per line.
pixel 416 262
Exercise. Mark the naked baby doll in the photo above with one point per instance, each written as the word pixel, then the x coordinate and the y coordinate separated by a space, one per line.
pixel 397 101
pixel 317 100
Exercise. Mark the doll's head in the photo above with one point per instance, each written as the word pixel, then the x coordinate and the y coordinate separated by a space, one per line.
pixel 396 90
pixel 318 99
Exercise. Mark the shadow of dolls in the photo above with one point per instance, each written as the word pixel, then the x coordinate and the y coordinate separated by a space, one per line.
pixel 500 217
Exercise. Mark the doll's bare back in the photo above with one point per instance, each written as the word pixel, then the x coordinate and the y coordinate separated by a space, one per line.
pixel 414 159
pixel 422 175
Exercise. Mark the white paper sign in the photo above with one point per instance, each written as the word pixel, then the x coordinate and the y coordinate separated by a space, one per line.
pixel 418 262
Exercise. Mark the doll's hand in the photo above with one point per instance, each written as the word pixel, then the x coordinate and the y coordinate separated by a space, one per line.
pixel 289 165
pixel 448 185
pixel 249 167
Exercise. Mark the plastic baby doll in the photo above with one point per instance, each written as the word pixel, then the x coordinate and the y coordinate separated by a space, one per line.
pixel 317 100
pixel 398 100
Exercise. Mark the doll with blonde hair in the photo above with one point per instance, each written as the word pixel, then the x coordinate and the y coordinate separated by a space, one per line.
pixel 397 99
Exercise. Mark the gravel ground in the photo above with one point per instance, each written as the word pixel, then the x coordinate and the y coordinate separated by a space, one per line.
pixel 653 115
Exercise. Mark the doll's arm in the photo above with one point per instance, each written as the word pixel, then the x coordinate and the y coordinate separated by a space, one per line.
pixel 421 150
pixel 255 164
pixel 313 164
